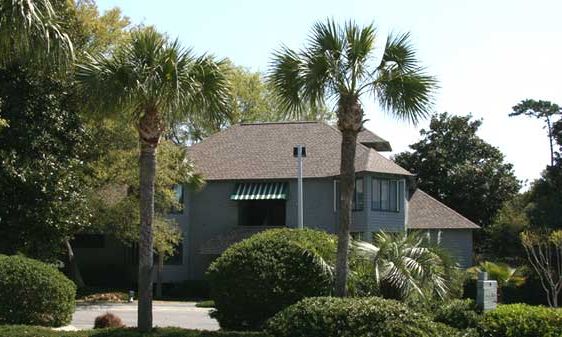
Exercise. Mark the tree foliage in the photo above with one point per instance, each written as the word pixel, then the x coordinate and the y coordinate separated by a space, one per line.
pixel 41 171
pixel 33 32
pixel 460 169
pixel 501 239
pixel 114 181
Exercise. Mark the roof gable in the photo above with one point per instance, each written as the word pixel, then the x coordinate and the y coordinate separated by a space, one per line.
pixel 265 151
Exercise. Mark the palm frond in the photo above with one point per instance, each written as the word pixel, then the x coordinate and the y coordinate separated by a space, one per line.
pixel 153 73
pixel 31 30
pixel 287 82
pixel 408 96
pixel 400 83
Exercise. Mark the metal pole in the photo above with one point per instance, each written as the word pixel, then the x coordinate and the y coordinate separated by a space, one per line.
pixel 299 176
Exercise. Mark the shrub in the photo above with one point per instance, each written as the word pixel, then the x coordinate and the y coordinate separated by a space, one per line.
pixel 256 278
pixel 108 320
pixel 521 320
pixel 34 293
pixel 31 331
pixel 353 317
pixel 460 314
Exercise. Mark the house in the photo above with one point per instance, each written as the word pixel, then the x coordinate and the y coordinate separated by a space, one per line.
pixel 251 185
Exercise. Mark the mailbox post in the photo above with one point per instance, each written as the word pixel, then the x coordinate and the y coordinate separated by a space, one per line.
pixel 486 293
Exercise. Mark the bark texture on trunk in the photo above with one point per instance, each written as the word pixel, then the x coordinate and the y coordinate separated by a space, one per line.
pixel 73 269
pixel 150 129
pixel 350 116
pixel 147 176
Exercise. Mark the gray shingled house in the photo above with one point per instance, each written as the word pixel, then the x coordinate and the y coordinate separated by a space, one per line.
pixel 251 185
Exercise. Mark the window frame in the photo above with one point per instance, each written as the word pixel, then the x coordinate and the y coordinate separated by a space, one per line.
pixel 337 195
pixel 354 207
pixel 391 182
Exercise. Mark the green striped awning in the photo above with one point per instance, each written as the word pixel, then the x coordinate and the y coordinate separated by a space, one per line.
pixel 260 191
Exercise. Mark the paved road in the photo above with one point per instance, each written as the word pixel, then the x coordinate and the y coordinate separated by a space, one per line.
pixel 178 314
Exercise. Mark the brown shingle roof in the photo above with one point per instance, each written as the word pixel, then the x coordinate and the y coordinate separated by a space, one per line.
pixel 369 139
pixel 425 212
pixel 265 151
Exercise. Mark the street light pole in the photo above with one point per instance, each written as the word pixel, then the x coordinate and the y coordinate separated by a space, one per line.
pixel 300 152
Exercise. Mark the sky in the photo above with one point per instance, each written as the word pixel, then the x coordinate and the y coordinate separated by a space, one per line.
pixel 487 55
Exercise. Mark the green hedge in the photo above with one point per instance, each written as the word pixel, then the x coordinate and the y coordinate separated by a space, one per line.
pixel 460 314
pixel 32 292
pixel 30 331
pixel 254 279
pixel 521 320
pixel 353 317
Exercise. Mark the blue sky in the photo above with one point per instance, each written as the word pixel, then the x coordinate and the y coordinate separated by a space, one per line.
pixel 487 55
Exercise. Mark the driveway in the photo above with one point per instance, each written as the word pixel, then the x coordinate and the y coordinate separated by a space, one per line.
pixel 178 314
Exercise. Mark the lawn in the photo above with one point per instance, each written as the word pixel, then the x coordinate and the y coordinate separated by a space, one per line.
pixel 27 331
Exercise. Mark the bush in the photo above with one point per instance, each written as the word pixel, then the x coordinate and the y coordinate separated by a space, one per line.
pixel 353 317
pixel 108 320
pixel 34 293
pixel 31 331
pixel 460 314
pixel 256 278
pixel 521 320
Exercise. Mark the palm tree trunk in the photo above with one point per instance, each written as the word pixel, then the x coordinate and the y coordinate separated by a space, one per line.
pixel 147 177
pixel 349 122
pixel 347 176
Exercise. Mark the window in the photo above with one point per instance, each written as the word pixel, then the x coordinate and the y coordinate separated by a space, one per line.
pixel 262 213
pixel 386 195
pixel 358 195
pixel 178 193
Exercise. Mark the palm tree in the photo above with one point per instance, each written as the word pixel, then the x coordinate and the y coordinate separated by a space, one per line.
pixel 406 265
pixel 340 65
pixel 31 30
pixel 156 83
pixel 505 275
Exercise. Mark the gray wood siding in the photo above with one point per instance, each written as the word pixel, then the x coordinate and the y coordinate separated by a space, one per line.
pixel 211 213
pixel 458 242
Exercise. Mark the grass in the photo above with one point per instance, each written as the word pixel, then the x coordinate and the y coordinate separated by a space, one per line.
pixel 206 304
pixel 31 331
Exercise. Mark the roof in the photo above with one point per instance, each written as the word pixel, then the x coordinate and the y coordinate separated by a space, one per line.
pixel 425 212
pixel 369 139
pixel 265 151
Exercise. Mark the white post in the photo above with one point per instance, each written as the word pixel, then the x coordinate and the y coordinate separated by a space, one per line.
pixel 299 177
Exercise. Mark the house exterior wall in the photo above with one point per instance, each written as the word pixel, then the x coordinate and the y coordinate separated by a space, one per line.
pixel 210 212
pixel 457 242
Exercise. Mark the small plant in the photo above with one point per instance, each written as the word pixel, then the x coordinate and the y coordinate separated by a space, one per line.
pixel 108 320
